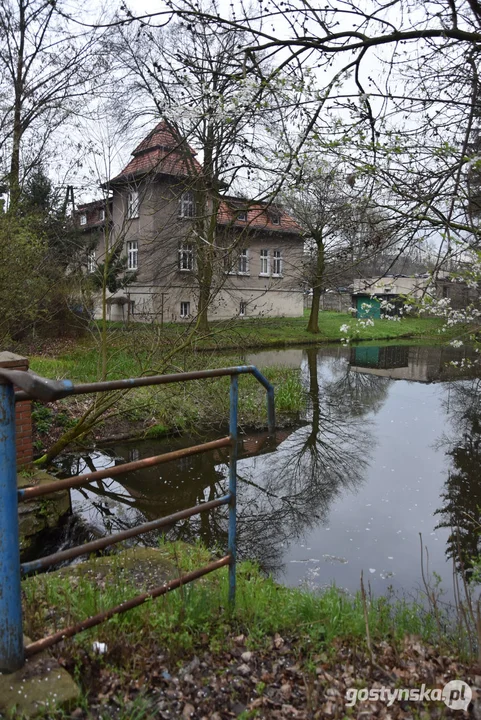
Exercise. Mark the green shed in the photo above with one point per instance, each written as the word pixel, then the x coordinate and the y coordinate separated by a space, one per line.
pixel 371 309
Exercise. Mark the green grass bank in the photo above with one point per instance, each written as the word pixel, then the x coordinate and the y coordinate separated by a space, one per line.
pixel 139 349
pixel 132 347
pixel 280 646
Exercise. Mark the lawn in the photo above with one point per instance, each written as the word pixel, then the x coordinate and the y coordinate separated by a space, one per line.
pixel 140 349
pixel 137 348
pixel 281 652
pixel 292 331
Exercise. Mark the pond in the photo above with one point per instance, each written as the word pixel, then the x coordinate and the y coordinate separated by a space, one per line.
pixel 388 448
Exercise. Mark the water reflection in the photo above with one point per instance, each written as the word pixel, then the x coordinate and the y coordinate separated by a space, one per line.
pixel 281 495
pixel 294 490
pixel 461 496
pixel 354 484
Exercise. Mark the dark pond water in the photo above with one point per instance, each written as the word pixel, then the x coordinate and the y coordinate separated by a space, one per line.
pixel 388 448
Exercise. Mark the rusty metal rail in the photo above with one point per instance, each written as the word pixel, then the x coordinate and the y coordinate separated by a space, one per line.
pixel 31 386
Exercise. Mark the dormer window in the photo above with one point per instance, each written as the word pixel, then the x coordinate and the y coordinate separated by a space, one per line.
pixel 133 204
pixel 83 219
pixel 187 205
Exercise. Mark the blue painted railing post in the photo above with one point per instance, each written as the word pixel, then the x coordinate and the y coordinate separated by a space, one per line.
pixel 11 636
pixel 234 398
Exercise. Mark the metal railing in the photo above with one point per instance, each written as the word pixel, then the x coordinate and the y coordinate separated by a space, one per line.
pixel 33 387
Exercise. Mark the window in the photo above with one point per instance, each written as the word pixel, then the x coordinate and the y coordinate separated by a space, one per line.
pixel 102 214
pixel 184 309
pixel 132 255
pixel 91 264
pixel 243 264
pixel 242 308
pixel 133 204
pixel 83 219
pixel 242 215
pixel 277 263
pixel 264 263
pixel 275 218
pixel 186 257
pixel 187 204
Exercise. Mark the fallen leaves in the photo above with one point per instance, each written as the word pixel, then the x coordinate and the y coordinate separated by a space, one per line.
pixel 278 681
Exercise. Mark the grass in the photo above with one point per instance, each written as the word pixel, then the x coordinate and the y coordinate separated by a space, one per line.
pixel 282 331
pixel 196 619
pixel 279 332
pixel 132 349
pixel 145 349
pixel 179 619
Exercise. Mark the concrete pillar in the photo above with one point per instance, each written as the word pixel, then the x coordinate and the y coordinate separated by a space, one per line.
pixel 23 412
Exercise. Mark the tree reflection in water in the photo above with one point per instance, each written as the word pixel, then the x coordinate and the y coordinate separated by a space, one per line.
pixel 286 484
pixel 461 511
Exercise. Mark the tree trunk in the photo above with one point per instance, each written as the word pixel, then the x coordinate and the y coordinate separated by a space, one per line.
pixel 17 131
pixel 313 324
pixel 202 323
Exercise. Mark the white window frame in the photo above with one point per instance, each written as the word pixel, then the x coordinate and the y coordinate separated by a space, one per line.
pixel 83 219
pixel 275 218
pixel 91 262
pixel 242 308
pixel 133 204
pixel 243 262
pixel 186 257
pixel 132 255
pixel 277 263
pixel 184 309
pixel 265 262
pixel 101 214
pixel 187 204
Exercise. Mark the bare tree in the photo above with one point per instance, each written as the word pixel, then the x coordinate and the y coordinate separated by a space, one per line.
pixel 197 77
pixel 393 87
pixel 47 69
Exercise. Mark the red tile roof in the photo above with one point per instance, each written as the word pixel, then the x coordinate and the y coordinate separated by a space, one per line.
pixel 260 216
pixel 162 152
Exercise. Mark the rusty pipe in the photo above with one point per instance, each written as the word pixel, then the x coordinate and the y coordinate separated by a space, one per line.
pixel 47 642
pixel 79 480
pixel 104 542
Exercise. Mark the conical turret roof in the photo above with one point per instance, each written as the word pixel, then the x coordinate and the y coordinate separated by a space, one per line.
pixel 161 151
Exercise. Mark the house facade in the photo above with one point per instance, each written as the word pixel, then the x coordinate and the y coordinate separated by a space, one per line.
pixel 156 216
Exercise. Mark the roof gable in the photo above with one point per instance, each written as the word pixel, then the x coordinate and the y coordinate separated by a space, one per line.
pixel 161 151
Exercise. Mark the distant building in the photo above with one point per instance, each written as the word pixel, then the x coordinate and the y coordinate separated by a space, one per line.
pixel 152 215
pixel 368 293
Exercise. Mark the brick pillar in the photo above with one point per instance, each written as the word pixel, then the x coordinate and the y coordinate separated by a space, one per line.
pixel 23 412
